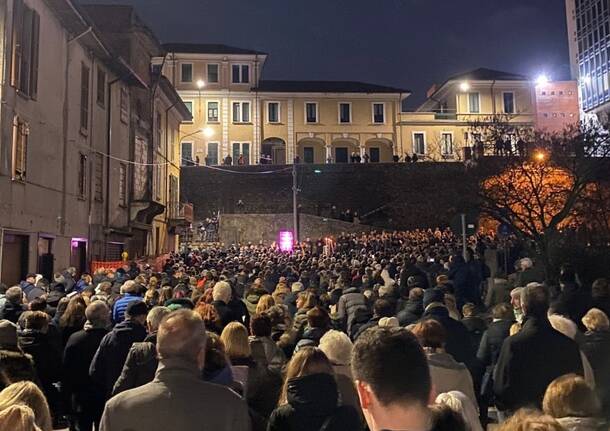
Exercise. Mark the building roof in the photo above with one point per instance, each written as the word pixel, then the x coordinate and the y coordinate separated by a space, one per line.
pixel 208 48
pixel 325 87
pixel 484 74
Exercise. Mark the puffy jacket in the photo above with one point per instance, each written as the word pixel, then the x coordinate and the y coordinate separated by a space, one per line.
pixel 349 303
pixel 313 406
pixel 140 365
pixel 120 306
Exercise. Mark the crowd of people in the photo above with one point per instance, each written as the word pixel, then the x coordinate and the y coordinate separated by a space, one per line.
pixel 382 331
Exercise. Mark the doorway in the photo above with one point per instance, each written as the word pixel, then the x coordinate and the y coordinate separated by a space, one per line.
pixel 15 260
pixel 78 255
pixel 341 155
pixel 374 154
pixel 45 257
pixel 274 149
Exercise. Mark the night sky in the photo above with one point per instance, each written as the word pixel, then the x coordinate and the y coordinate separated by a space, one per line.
pixel 405 43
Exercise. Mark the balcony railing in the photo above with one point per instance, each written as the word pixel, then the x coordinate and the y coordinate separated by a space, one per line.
pixel 181 213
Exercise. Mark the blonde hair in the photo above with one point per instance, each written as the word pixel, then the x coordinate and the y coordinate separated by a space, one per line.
pixel 264 303
pixel 530 420
pixel 515 328
pixel 570 395
pixel 307 361
pixel 235 339
pixel 596 320
pixel 17 418
pixel 28 394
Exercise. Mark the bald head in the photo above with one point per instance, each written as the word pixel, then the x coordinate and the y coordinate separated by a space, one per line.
pixel 182 336
pixel 97 313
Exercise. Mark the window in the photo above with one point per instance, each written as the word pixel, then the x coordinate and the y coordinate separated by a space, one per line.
pixel 159 171
pixel 241 149
pixel 82 176
pixel 308 155
pixel 378 113
pixel 447 144
pixel 241 112
pixel 474 103
pixel 212 73
pixel 212 112
pixel 124 105
pixel 186 72
pixel 123 184
pixel 172 148
pixel 101 86
pixel 159 131
pixel 345 112
pixel 189 106
pixel 240 74
pixel 84 98
pixel 25 45
pixel 311 112
pixel 186 154
pixel 212 157
pixel 509 102
pixel 273 112
pixel 419 142
pixel 20 148
pixel 98 174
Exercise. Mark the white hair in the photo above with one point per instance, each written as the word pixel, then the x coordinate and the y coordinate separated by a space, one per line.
pixel 337 346
pixel 526 263
pixel 460 403
pixel 389 322
pixel 297 287
pixel 156 315
pixel 222 292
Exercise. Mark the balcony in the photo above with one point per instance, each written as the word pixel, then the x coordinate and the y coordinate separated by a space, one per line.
pixel 180 214
pixel 445 116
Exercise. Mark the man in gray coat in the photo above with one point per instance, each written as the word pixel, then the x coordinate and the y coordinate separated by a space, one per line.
pixel 177 398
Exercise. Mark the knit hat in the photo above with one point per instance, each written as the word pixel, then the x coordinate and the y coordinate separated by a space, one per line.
pixel 136 308
pixel 433 295
pixel 8 335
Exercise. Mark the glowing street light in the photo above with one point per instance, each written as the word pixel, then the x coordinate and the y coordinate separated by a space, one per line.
pixel 542 79
pixel 539 156
pixel 586 80
pixel 208 132
pixel 464 86
pixel 200 84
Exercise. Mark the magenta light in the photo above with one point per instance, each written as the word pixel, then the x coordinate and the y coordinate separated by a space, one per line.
pixel 286 240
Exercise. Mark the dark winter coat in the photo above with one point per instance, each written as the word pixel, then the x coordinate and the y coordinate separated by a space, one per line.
pixel 411 312
pixel 108 361
pixel 11 312
pixel 349 303
pixel 313 406
pixel 573 302
pixel 491 342
pixel 140 365
pixel 596 347
pixel 475 326
pixel 76 383
pixel 465 283
pixel 530 360
pixel 31 291
pixel 224 312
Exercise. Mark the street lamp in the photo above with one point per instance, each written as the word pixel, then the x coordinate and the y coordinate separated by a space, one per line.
pixel 208 132
pixel 542 79
pixel 464 86
pixel 200 84
pixel 539 156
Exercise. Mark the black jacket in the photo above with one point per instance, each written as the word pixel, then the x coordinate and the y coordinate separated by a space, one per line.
pixel 108 361
pixel 411 312
pixel 140 365
pixel 313 404
pixel 11 312
pixel 530 360
pixel 596 347
pixel 491 342
pixel 573 302
pixel 475 326
pixel 224 312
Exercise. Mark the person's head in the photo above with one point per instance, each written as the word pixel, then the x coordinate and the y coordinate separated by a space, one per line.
pixel 14 295
pixel 36 321
pixel 416 294
pixel 31 278
pixel 8 335
pixel 307 361
pixel 530 420
pixel 515 297
pixel 136 311
pixel 570 395
pixel 526 263
pixel 535 300
pixel 388 389
pixel 297 287
pixel 235 338
pixel 260 325
pixel 317 317
pixel 129 287
pixel 38 304
pixel 306 300
pixel 98 314
pixel 444 418
pixel 28 394
pixel 502 311
pixel 469 310
pixel 596 320
pixel 209 315
pixel 155 317
pixel 337 347
pixel 222 292
pixel 600 288
pixel 383 308
pixel 264 303
pixel 460 403
pixel 430 333
pixel 182 335
pixel 74 316
pixel 151 297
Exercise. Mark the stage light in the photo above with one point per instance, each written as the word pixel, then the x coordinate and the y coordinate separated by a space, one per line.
pixel 286 241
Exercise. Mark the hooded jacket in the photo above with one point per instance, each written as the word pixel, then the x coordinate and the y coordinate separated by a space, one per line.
pixel 349 303
pixel 312 401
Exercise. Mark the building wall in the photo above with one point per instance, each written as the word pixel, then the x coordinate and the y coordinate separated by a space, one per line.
pixel 557 105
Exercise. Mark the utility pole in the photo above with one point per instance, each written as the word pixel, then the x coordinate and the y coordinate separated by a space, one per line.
pixel 295 216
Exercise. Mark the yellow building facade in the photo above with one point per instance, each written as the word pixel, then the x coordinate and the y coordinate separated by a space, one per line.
pixel 237 114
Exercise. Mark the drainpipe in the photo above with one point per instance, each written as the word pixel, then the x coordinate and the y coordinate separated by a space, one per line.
pixel 108 160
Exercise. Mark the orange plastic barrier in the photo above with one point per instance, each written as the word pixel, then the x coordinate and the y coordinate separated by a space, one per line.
pixel 96 264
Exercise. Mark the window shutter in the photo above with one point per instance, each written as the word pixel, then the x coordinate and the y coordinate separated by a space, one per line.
pixel 17 44
pixel 34 60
